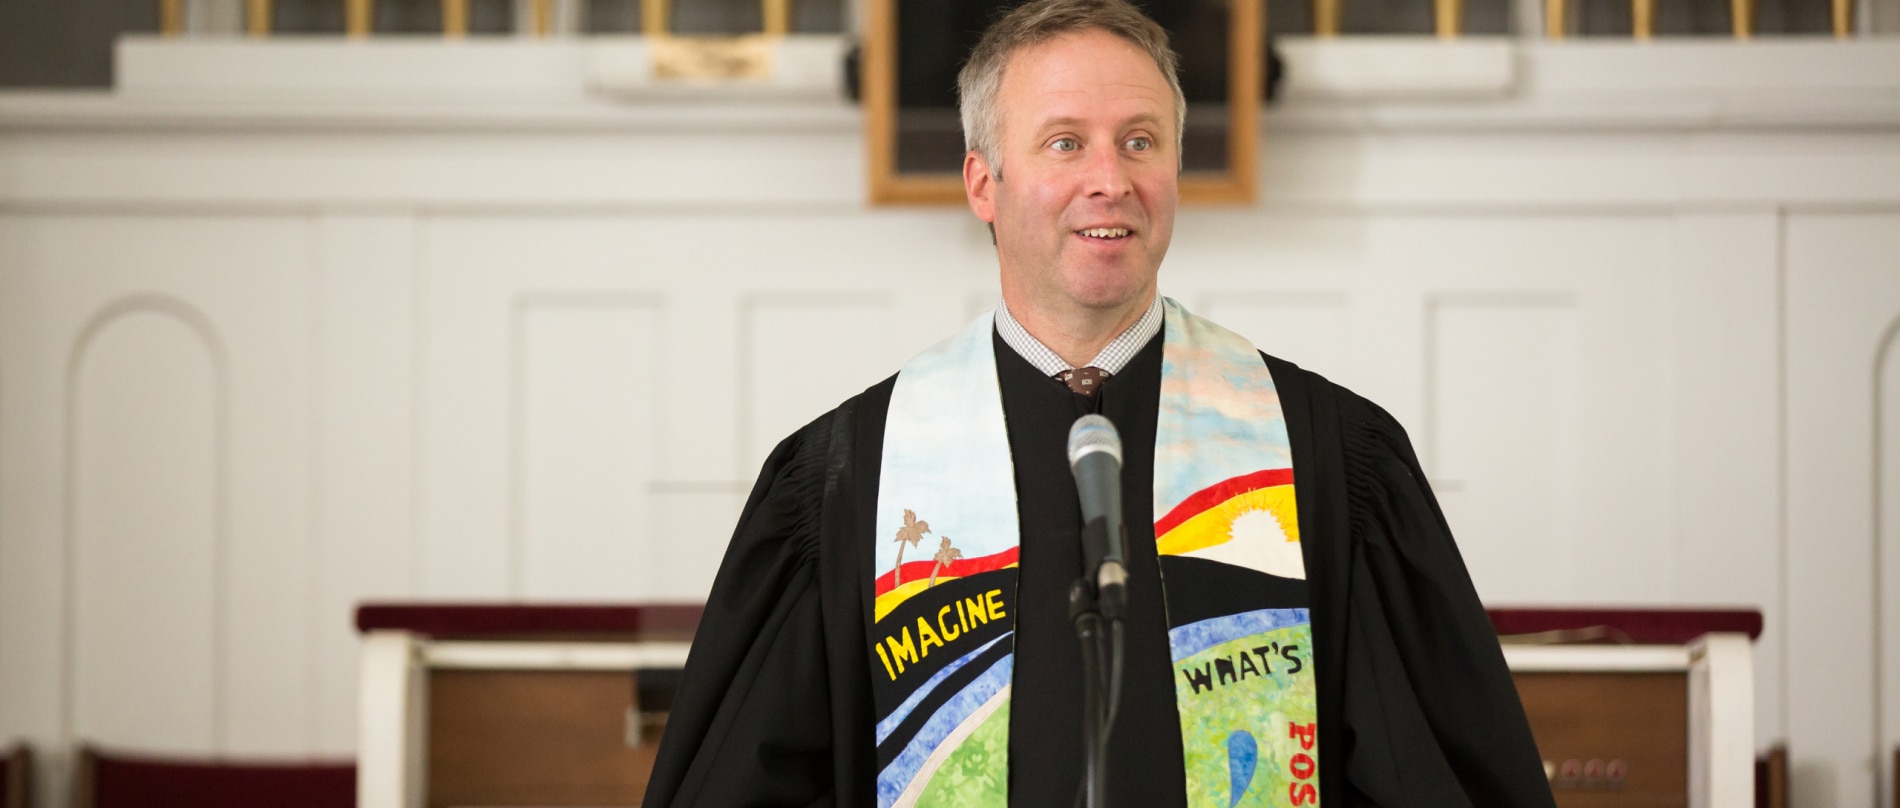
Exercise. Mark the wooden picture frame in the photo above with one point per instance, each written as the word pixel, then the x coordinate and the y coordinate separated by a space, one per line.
pixel 1235 185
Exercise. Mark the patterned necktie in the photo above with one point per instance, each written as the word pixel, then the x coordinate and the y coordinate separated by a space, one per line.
pixel 1084 380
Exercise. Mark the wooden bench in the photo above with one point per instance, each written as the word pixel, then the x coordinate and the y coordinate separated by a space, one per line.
pixel 16 777
pixel 118 780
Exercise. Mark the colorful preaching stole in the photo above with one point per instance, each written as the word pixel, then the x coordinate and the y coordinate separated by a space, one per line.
pixel 942 632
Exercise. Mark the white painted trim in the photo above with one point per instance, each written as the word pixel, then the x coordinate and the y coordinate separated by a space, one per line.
pixel 391 720
pixel 91 110
pixel 1721 721
pixel 476 71
pixel 806 68
pixel 587 656
pixel 1399 67
pixel 319 66
pixel 1596 658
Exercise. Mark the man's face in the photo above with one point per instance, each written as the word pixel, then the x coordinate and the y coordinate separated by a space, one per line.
pixel 1085 207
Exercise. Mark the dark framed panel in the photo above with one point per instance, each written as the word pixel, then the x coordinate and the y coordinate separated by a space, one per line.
pixel 913 49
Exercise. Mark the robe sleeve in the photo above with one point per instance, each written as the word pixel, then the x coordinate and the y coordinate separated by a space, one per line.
pixel 750 724
pixel 1433 705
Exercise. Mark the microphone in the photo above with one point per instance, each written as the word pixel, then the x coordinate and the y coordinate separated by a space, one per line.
pixel 1095 456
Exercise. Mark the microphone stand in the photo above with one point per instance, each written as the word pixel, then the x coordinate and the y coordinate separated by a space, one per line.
pixel 1096 611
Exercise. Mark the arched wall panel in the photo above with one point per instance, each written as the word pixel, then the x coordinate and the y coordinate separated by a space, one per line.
pixel 145 460
pixel 1887 551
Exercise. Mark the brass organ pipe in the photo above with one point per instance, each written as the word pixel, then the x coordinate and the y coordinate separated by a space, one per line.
pixel 778 16
pixel 1326 17
pixel 1843 18
pixel 257 15
pixel 542 12
pixel 1554 19
pixel 654 17
pixel 1643 18
pixel 358 17
pixel 1447 16
pixel 1743 12
pixel 455 18
pixel 171 17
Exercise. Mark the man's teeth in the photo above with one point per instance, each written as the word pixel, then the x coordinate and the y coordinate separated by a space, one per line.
pixel 1105 232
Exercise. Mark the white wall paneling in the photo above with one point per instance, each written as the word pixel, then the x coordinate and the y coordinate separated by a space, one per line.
pixel 1724 373
pixel 1503 430
pixel 147 542
pixel 364 478
pixel 1642 339
pixel 1309 329
pixel 1842 304
pixel 164 362
pixel 804 353
pixel 1887 556
pixel 586 387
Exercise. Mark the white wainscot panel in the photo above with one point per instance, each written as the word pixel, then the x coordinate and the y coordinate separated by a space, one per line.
pixel 805 353
pixel 146 463
pixel 1843 317
pixel 589 385
pixel 1887 428
pixel 1305 328
pixel 1503 388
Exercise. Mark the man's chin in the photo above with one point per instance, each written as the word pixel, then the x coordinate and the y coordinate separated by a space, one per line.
pixel 1106 297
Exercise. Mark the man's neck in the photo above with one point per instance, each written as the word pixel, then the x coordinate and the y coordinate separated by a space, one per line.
pixel 1075 333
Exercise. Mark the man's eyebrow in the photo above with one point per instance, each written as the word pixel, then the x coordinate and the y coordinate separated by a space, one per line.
pixel 1073 121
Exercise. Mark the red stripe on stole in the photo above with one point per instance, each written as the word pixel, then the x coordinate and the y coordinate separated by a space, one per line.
pixel 1218 493
pixel 960 568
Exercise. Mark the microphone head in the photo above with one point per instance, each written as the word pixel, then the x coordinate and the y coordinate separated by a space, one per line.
pixel 1091 434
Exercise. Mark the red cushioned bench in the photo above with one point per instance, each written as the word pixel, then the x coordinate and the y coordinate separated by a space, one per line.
pixel 119 780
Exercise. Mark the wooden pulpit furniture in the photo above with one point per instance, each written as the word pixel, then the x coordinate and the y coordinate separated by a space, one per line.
pixel 1638 707
pixel 495 705
pixel 473 705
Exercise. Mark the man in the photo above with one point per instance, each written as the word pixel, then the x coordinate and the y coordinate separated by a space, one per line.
pixel 1284 643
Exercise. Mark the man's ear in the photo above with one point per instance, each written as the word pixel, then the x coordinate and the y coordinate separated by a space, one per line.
pixel 979 187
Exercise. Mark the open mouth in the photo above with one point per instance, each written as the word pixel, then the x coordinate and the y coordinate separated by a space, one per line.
pixel 1105 233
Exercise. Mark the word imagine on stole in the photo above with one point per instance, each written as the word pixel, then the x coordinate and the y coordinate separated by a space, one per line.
pixel 970 613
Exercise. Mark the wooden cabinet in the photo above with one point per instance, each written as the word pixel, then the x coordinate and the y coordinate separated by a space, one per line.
pixel 466 705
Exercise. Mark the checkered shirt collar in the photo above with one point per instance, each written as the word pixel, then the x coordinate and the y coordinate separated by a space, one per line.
pixel 1113 357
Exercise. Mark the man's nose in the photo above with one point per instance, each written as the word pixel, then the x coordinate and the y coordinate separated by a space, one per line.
pixel 1107 174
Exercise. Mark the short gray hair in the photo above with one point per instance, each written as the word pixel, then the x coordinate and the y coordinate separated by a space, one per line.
pixel 1033 24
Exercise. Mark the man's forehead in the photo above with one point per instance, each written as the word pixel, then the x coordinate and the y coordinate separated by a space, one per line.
pixel 1086 77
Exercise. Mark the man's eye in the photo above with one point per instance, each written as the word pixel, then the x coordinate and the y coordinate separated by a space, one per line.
pixel 1066 144
pixel 1140 144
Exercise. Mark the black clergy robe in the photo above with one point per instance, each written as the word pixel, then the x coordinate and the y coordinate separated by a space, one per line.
pixel 1416 706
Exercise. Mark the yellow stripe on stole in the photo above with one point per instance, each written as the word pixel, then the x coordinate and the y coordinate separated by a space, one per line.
pixel 1215 525
pixel 888 601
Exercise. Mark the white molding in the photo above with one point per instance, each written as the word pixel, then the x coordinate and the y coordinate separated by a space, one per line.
pixel 1399 67
pixel 1597 659
pixel 392 705
pixel 477 71
pixel 806 68
pixel 568 656
pixel 95 111
pixel 1721 721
